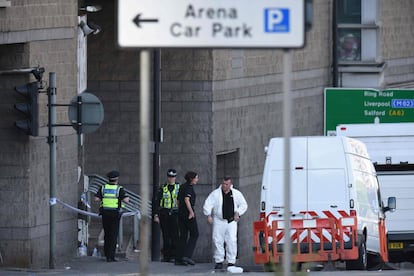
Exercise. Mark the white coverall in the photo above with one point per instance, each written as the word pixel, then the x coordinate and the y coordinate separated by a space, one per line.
pixel 222 230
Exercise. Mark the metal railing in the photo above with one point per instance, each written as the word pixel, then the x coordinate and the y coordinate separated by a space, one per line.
pixel 134 204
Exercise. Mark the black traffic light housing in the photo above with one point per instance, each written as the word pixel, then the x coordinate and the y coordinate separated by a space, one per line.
pixel 30 125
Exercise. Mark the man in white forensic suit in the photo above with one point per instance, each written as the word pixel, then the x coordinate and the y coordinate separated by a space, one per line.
pixel 223 207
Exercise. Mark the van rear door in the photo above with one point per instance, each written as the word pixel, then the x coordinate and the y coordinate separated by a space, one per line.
pixel 275 181
pixel 327 178
pixel 298 174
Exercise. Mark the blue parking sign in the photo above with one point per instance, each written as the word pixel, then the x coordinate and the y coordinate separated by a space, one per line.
pixel 276 20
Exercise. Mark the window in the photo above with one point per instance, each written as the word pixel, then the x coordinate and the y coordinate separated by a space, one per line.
pixel 357 31
pixel 349 11
pixel 349 44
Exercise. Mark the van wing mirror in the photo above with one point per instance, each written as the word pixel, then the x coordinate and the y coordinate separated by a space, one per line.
pixel 392 204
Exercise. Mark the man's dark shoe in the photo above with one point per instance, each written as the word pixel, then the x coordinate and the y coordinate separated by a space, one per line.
pixel 218 266
pixel 180 262
pixel 165 260
pixel 188 260
pixel 114 260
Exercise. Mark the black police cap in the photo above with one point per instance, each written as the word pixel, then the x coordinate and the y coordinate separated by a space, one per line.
pixel 112 175
pixel 172 173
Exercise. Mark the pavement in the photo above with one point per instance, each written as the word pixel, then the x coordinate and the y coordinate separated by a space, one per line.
pixel 128 266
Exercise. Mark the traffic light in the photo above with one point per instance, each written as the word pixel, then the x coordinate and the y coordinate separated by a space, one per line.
pixel 30 125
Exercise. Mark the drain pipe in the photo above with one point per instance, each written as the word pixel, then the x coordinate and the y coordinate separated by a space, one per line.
pixel 335 43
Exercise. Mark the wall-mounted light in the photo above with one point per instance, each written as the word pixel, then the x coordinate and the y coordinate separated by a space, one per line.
pixel 89 28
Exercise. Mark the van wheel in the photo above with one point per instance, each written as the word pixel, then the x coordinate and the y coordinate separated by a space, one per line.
pixel 361 262
pixel 269 267
pixel 375 262
pixel 272 267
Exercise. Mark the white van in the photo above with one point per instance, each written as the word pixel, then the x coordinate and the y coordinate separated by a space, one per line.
pixel 391 148
pixel 336 211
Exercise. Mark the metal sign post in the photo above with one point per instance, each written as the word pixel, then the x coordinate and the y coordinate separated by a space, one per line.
pixel 287 107
pixel 52 164
pixel 144 156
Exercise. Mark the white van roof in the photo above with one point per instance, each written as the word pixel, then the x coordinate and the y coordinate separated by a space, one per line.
pixel 387 143
pixel 323 151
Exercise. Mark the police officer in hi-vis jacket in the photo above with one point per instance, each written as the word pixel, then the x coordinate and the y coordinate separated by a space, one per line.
pixel 167 215
pixel 111 196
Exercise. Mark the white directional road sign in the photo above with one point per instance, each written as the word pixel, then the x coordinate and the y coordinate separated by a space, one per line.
pixel 211 23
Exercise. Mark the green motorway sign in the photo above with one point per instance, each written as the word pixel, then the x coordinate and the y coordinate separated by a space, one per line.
pixel 366 105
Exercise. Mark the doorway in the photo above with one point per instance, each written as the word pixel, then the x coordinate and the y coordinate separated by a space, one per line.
pixel 228 165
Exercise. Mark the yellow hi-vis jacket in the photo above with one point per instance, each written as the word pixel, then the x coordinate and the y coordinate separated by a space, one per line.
pixel 110 195
pixel 169 200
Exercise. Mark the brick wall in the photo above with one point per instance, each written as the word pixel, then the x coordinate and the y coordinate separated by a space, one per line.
pixel 397 35
pixel 32 34
pixel 396 44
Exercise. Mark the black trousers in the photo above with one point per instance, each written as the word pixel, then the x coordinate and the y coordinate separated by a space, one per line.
pixel 169 229
pixel 188 232
pixel 110 223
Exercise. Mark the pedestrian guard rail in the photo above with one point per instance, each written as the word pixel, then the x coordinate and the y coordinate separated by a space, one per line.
pixel 313 240
pixel 135 201
pixel 132 209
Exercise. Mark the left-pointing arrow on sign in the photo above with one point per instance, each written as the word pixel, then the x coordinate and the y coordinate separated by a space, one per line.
pixel 137 20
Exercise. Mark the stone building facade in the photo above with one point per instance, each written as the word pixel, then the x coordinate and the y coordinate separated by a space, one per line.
pixel 32 34
pixel 219 108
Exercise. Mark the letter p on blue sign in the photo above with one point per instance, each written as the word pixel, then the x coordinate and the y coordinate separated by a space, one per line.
pixel 276 20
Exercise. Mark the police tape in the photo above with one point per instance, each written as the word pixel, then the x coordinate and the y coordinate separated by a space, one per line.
pixel 96 215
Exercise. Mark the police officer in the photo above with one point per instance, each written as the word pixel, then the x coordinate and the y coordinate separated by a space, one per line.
pixel 167 215
pixel 111 196
pixel 187 222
